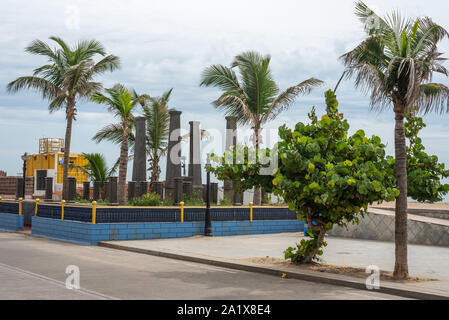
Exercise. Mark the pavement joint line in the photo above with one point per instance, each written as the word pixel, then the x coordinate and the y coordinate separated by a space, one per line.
pixel 338 280
pixel 57 282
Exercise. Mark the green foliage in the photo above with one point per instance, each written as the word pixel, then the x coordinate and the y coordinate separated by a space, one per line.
pixel 301 254
pixel 194 200
pixel 149 199
pixel 325 175
pixel 424 172
pixel 225 201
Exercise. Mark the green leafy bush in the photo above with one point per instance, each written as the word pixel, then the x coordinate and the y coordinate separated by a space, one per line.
pixel 324 174
pixel 225 201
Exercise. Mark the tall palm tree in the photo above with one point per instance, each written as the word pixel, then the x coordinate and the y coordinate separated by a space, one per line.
pixel 253 98
pixel 65 79
pixel 96 168
pixel 121 103
pixel 157 120
pixel 395 64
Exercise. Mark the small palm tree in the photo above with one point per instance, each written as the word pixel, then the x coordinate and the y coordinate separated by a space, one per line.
pixel 121 103
pixel 157 126
pixel 253 98
pixel 96 168
pixel 65 79
pixel 395 64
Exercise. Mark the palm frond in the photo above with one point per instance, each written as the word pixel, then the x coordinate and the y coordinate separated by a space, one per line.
pixel 45 87
pixel 433 97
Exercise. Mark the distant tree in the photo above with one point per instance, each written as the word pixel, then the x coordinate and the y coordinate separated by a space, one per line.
pixel 67 78
pixel 253 98
pixel 121 103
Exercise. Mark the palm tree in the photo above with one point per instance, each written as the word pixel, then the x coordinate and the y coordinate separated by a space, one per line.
pixel 395 64
pixel 121 102
pixel 96 168
pixel 157 120
pixel 253 98
pixel 65 79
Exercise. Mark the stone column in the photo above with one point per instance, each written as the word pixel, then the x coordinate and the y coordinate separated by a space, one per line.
pixel 173 169
pixel 231 142
pixel 86 190
pixel 19 188
pixel 97 187
pixel 178 189
pixel 49 188
pixel 157 187
pixel 72 189
pixel 214 192
pixel 131 190
pixel 140 154
pixel 195 154
pixel 113 190
pixel 238 199
pixel 106 190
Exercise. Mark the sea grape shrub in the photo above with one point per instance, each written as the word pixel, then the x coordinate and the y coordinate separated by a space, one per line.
pixel 327 176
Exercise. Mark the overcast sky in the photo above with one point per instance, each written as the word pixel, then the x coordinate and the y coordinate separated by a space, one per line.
pixel 166 44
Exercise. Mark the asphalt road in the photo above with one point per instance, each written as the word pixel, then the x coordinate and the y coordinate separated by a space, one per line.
pixel 34 268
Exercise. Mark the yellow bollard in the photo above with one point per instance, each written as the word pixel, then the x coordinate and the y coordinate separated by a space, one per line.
pixel 94 212
pixel 35 209
pixel 251 211
pixel 20 206
pixel 62 209
pixel 182 211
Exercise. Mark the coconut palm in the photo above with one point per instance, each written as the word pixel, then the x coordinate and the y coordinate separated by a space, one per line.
pixel 157 125
pixel 395 64
pixel 65 79
pixel 253 98
pixel 96 168
pixel 121 103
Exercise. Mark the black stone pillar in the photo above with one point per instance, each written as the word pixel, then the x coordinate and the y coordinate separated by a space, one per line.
pixel 113 190
pixel 49 188
pixel 214 192
pixel 173 169
pixel 86 190
pixel 19 188
pixel 178 189
pixel 187 188
pixel 72 189
pixel 143 188
pixel 140 153
pixel 131 190
pixel 195 154
pixel 97 189
pixel 158 188
pixel 231 143
pixel 238 198
pixel 106 190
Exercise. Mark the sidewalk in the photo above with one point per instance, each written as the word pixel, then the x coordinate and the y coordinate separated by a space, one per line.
pixel 424 261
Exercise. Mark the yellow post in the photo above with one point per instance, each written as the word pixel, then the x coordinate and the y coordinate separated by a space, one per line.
pixel 35 209
pixel 182 211
pixel 62 209
pixel 20 206
pixel 94 212
pixel 251 211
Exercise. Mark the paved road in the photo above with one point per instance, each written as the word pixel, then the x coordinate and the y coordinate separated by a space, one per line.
pixel 34 268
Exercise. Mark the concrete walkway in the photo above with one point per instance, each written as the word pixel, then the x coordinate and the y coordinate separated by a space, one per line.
pixel 424 261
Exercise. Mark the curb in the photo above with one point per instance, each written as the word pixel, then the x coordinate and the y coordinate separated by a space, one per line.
pixel 338 280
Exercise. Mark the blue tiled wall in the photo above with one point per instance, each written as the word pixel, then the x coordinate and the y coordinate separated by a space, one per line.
pixel 87 233
pixel 11 222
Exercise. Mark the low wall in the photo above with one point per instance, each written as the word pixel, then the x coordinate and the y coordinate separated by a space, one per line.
pixel 8 185
pixel 379 225
pixel 90 234
pixel 11 222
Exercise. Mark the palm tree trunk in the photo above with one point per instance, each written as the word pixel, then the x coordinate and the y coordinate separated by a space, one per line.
pixel 68 137
pixel 401 265
pixel 257 197
pixel 121 188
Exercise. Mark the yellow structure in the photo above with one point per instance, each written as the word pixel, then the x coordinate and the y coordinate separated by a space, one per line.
pixel 49 163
